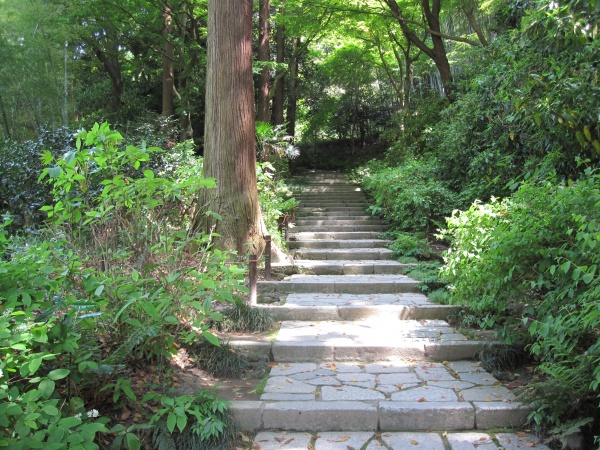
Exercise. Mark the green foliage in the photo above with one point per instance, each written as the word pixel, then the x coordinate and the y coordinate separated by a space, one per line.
pixel 409 196
pixel 410 245
pixel 535 254
pixel 427 273
pixel 275 199
pixel 22 196
pixel 39 355
pixel 114 281
pixel 186 422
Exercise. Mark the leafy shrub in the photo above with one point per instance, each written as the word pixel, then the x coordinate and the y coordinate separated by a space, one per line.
pixel 22 196
pixel 537 252
pixel 275 199
pixel 409 196
pixel 113 281
pixel 409 244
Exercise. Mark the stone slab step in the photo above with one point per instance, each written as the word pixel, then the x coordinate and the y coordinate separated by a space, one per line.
pixel 354 254
pixel 338 243
pixel 340 228
pixel 319 307
pixel 344 284
pixel 382 396
pixel 367 440
pixel 337 222
pixel 339 267
pixel 336 235
pixel 331 210
pixel 371 340
pixel 335 216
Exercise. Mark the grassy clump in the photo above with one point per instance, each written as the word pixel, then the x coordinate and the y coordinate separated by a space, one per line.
pixel 243 318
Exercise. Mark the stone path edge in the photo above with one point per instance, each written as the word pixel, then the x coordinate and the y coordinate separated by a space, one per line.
pixel 252 416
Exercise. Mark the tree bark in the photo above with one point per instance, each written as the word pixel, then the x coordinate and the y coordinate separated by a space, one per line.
pixel 168 71
pixel 292 98
pixel 468 7
pixel 279 90
pixel 4 119
pixel 264 55
pixel 229 152
pixel 438 52
pixel 110 60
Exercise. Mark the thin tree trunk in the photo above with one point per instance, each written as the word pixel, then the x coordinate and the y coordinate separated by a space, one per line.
pixel 264 55
pixel 292 99
pixel 168 71
pixel 4 119
pixel 229 152
pixel 468 7
pixel 110 60
pixel 278 98
pixel 438 52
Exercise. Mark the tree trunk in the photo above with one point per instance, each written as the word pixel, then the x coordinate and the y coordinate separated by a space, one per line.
pixel 4 119
pixel 468 7
pixel 110 60
pixel 292 98
pixel 438 52
pixel 229 152
pixel 278 98
pixel 168 72
pixel 264 55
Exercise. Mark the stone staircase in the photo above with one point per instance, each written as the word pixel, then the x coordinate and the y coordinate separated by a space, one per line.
pixel 362 359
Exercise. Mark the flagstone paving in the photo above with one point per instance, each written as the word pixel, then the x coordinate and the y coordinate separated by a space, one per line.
pixel 362 359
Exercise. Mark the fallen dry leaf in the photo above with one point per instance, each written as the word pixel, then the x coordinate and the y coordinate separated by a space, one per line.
pixel 521 434
pixel 413 442
pixel 288 441
pixel 341 439
pixel 421 400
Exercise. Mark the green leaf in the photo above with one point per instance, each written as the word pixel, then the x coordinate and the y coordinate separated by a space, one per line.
pixel 211 338
pixel 149 174
pixel 99 290
pixel 181 422
pixel 171 422
pixel 46 388
pixel 58 374
pixel 132 442
pixel 34 365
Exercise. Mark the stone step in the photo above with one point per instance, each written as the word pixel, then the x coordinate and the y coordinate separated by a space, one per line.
pixel 382 396
pixel 339 267
pixel 340 228
pixel 371 340
pixel 330 221
pixel 320 307
pixel 351 235
pixel 338 243
pixel 368 440
pixel 344 284
pixel 335 216
pixel 347 254
pixel 333 210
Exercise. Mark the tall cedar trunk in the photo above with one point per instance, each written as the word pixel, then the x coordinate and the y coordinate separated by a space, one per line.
pixel 264 55
pixel 278 98
pixel 438 52
pixel 168 72
pixel 292 100
pixel 229 153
